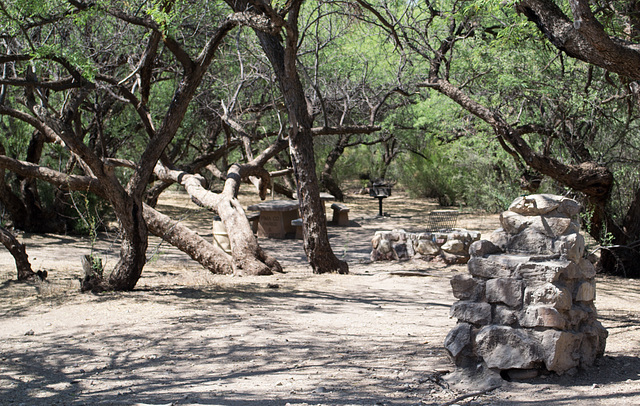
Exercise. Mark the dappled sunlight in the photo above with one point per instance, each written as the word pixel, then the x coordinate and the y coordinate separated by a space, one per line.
pixel 186 336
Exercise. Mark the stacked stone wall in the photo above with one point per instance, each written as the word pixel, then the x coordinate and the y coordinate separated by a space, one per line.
pixel 527 302
pixel 450 246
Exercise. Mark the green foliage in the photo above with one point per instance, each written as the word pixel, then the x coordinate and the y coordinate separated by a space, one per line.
pixel 166 19
pixel 432 176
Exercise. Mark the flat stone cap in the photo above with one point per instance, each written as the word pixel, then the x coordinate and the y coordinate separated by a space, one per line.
pixel 535 205
pixel 274 205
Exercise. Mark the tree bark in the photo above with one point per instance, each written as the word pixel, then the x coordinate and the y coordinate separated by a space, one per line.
pixel 247 256
pixel 326 176
pixel 583 38
pixel 283 60
pixel 200 250
pixel 19 254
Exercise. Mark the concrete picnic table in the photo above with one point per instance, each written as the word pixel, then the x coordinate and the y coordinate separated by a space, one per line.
pixel 275 218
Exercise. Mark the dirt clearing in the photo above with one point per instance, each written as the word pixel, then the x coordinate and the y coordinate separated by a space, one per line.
pixel 186 337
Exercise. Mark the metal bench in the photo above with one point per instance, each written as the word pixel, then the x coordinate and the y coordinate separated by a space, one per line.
pixel 442 220
pixel 340 214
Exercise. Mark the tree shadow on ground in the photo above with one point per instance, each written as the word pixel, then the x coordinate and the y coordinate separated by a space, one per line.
pixel 223 338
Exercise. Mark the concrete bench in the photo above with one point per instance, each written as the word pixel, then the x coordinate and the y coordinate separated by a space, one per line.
pixel 340 214
pixel 297 223
pixel 254 218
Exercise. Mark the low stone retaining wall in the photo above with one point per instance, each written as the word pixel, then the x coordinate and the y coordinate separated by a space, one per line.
pixel 450 246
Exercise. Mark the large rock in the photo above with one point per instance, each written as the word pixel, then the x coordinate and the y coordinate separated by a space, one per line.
pixel 548 294
pixel 550 226
pixel 544 271
pixel 466 287
pixel 455 246
pixel 427 247
pixel 505 347
pixel 593 343
pixel 471 312
pixel 504 290
pixel 458 344
pixel 483 248
pixel 496 266
pixel 586 292
pixel 561 349
pixel 542 316
pixel 503 315
pixel 534 205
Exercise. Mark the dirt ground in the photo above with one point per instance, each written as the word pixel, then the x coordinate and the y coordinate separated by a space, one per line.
pixel 186 337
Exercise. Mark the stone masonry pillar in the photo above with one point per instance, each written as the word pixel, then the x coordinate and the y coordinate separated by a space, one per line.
pixel 527 302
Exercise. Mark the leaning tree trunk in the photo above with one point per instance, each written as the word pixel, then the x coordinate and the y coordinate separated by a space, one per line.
pixel 19 254
pixel 247 256
pixel 205 253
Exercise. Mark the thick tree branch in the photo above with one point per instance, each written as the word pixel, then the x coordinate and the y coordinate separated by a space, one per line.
pixel 583 38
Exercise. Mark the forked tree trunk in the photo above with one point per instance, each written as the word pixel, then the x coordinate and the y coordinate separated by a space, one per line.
pixel 283 60
pixel 247 256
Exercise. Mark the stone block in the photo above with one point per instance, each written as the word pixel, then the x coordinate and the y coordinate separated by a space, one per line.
pixel 587 269
pixel 375 241
pixel 561 350
pixel 459 344
pixel 455 246
pixel 586 292
pixel 578 316
pixel 530 241
pixel 502 315
pixel 542 316
pixel 466 287
pixel 503 347
pixel 427 247
pixel 499 238
pixel 402 250
pixel 548 294
pixel 452 259
pixel 496 266
pixel 533 205
pixel 548 225
pixel 483 248
pixel 504 290
pixel 594 342
pixel 514 223
pixel 440 238
pixel 471 312
pixel 397 235
pixel 384 247
pixel 570 246
pixel 543 271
